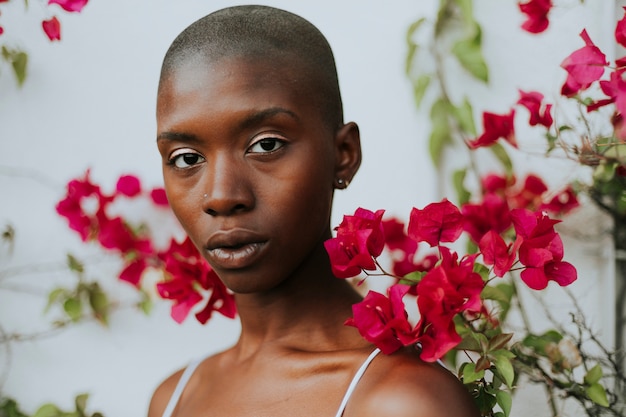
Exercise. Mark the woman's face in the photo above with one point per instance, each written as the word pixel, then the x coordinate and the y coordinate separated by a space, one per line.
pixel 248 165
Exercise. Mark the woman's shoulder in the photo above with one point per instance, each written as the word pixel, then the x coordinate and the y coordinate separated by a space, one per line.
pixel 163 393
pixel 401 385
pixel 165 390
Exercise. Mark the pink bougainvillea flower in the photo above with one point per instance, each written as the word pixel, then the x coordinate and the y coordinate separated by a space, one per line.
pixel 491 214
pixel 1 30
pixel 402 248
pixel 220 300
pixel 383 320
pixel 71 207
pixel 583 66
pixel 360 238
pixel 620 30
pixel 541 251
pixel 496 252
pixel 496 183
pixel 562 203
pixel 445 291
pixel 435 223
pixel 70 5
pixel 529 195
pixel 537 278
pixel 128 185
pixel 396 237
pixel 52 28
pixel 538 115
pixel 114 234
pixel 615 89
pixel 496 126
pixel 530 224
pixel 536 12
pixel 159 197
pixel 189 273
pixel 133 271
pixel 184 295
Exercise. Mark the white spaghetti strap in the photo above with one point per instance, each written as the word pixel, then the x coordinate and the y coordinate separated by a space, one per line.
pixel 355 381
pixel 178 391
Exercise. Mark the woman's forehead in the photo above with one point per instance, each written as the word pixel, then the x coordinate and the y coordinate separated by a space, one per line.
pixel 235 78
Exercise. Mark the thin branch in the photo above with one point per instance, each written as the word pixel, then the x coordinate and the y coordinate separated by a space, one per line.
pixel 30 174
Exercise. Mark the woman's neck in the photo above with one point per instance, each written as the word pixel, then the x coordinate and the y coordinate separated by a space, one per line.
pixel 306 312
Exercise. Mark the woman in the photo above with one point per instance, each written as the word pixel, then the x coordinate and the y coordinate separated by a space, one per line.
pixel 251 132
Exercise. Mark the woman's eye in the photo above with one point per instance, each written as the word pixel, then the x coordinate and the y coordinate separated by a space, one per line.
pixel 266 145
pixel 185 160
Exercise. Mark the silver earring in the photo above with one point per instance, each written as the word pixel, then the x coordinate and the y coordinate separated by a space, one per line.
pixel 341 183
pixel 206 195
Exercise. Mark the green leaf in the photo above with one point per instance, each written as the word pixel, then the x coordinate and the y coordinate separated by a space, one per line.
pixel 504 353
pixel 594 375
pixel 99 302
pixel 504 400
pixel 9 408
pixel 413 47
pixel 605 171
pixel 481 270
pixel 616 152
pixel 469 53
pixel 48 410
pixel 539 343
pixel 499 341
pixel 419 88
pixel 500 153
pixel 481 339
pixel 468 343
pixel 440 131
pixel 54 297
pixel 74 264
pixel 502 293
pixel 145 304
pixel 413 278
pixel 465 6
pixel 18 60
pixel 496 293
pixel 20 65
pixel 597 394
pixel 485 402
pixel 505 369
pixel 483 363
pixel 73 308
pixel 470 374
pixel 81 403
pixel 458 179
pixel 465 116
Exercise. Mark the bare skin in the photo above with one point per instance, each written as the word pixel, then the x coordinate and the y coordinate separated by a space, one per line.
pixel 258 146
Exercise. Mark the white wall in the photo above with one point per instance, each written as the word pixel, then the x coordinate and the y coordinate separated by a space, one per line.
pixel 89 102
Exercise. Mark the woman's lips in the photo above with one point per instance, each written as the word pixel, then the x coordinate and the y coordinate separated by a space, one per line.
pixel 234 249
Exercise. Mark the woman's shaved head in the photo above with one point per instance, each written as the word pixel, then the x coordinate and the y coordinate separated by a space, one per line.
pixel 261 33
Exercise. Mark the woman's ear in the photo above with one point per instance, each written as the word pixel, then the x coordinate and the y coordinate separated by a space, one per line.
pixel 347 154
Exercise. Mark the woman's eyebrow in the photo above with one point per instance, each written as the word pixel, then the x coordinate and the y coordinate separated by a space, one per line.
pixel 261 116
pixel 254 119
pixel 176 136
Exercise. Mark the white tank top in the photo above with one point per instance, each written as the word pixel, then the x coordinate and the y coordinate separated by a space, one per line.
pixel 182 382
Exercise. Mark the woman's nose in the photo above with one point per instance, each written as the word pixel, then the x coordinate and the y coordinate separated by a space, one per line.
pixel 227 189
